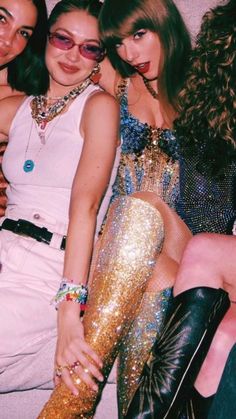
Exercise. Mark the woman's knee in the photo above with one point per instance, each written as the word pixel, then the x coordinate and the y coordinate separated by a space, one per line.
pixel 198 266
pixel 200 249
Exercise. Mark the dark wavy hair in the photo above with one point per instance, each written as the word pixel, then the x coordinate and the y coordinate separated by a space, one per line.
pixel 33 77
pixel 27 72
pixel 121 18
pixel 92 7
pixel 207 125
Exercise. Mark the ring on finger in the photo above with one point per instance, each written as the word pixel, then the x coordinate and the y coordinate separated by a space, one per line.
pixel 74 365
pixel 59 369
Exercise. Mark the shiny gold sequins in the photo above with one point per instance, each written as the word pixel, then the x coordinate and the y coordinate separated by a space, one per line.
pixel 132 237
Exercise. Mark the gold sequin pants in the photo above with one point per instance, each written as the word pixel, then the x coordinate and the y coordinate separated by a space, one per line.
pixel 128 249
pixel 136 346
pixel 148 322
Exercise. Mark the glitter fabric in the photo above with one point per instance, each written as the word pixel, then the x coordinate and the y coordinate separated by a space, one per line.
pixel 132 238
pixel 148 158
pixel 137 344
pixel 207 204
pixel 149 162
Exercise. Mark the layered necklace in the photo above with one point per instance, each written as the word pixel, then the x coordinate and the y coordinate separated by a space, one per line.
pixel 155 94
pixel 42 114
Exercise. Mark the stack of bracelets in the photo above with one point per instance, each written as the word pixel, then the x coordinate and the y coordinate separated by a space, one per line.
pixel 71 292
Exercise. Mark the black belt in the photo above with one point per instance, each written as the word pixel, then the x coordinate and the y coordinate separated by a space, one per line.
pixel 26 228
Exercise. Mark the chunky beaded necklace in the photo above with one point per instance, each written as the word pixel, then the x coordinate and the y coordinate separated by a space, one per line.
pixel 43 114
pixel 154 94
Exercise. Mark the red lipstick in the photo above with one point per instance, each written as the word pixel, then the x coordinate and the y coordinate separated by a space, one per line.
pixel 143 67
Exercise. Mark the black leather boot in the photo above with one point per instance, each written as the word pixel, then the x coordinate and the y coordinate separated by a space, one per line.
pixel 177 355
pixel 197 407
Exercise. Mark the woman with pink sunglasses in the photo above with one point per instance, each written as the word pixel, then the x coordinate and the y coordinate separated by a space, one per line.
pixel 58 163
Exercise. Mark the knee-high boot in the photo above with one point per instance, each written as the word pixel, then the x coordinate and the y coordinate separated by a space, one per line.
pixel 132 237
pixel 197 406
pixel 178 353
pixel 137 344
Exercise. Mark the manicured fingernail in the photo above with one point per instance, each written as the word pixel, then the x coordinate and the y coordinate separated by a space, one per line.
pixel 75 392
pixel 101 378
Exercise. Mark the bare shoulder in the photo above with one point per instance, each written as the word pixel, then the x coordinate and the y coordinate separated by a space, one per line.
pixel 101 99
pixel 100 106
pixel 11 103
pixel 7 91
pixel 8 109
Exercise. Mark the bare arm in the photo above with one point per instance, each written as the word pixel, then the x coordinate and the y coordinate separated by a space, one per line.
pixel 6 91
pixel 99 127
pixel 8 108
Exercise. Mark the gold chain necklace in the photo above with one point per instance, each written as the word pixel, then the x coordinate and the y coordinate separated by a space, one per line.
pixel 42 113
pixel 154 94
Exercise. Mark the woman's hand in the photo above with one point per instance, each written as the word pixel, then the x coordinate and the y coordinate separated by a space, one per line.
pixel 73 353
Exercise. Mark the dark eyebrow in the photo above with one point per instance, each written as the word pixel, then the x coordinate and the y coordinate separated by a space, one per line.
pixel 28 27
pixel 6 11
pixel 11 17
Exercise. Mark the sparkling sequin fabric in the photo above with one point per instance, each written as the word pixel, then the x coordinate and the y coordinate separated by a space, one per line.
pixel 206 204
pixel 137 344
pixel 132 238
pixel 148 157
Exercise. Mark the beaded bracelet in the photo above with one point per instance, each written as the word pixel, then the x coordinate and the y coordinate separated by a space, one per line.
pixel 71 292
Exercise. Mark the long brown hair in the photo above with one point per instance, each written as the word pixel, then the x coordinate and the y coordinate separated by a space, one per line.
pixel 27 71
pixel 121 18
pixel 207 126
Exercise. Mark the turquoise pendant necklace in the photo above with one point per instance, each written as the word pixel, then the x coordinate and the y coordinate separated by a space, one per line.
pixel 28 166
pixel 42 115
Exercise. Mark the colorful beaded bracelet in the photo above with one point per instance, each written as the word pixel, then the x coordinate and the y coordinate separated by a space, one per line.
pixel 71 292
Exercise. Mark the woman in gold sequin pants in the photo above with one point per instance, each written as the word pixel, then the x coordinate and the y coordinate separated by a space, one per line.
pixel 143 239
pixel 126 261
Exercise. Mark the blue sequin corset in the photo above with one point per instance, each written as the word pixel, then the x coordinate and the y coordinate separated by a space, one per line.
pixel 149 158
pixel 206 204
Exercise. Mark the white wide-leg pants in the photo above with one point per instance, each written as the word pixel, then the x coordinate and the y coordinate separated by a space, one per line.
pixel 29 278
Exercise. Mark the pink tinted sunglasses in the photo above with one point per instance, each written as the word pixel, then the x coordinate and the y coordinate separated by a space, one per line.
pixel 89 51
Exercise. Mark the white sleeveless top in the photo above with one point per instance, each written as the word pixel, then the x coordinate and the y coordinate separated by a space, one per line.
pixel 48 187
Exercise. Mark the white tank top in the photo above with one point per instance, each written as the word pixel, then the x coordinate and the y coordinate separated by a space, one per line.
pixel 48 187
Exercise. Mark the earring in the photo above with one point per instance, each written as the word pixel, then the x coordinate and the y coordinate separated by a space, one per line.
pixel 95 75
